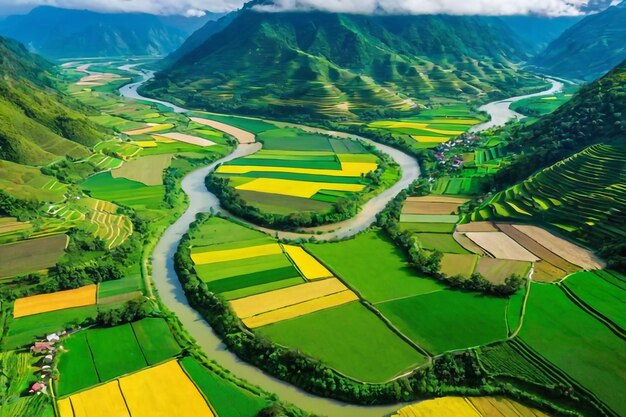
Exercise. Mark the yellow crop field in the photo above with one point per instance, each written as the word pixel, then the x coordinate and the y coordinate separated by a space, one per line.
pixel 274 300
pixel 150 393
pixel 348 169
pixel 65 408
pixel 60 300
pixel 468 407
pixel 430 139
pixel 415 125
pixel 295 188
pixel 152 127
pixel 301 309
pixel 308 265
pixel 146 143
pixel 235 254
pixel 102 401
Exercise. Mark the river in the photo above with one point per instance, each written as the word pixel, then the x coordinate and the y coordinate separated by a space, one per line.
pixel 201 200
pixel 501 113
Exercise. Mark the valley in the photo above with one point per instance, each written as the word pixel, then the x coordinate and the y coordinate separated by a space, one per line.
pixel 307 213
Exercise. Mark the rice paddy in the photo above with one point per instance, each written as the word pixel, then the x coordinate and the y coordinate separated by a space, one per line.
pixel 91 358
pixel 60 300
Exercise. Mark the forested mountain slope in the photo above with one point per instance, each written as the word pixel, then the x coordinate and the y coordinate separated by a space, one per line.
pixel 341 65
pixel 589 49
pixel 38 124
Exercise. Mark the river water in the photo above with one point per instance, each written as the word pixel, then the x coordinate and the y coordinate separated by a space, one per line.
pixel 201 200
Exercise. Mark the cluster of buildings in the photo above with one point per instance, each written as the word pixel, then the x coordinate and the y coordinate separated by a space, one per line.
pixel 47 349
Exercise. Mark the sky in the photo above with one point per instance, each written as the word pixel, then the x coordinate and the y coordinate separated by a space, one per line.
pixel 197 7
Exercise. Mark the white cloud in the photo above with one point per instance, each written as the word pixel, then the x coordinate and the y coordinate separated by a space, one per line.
pixel 195 7
pixel 455 7
pixel 162 7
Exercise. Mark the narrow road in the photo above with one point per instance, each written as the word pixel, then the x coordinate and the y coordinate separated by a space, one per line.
pixel 201 201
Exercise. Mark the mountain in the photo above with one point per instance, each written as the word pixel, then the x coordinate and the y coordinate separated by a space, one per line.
pixel 339 65
pixel 537 32
pixel 590 48
pixel 38 124
pixel 596 114
pixel 65 33
pixel 199 37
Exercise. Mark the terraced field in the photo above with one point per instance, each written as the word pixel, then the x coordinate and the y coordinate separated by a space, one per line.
pixel 582 196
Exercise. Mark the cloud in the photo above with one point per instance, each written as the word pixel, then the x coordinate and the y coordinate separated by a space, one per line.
pixel 454 7
pixel 161 7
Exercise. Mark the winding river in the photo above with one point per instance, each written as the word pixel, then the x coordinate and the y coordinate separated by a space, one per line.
pixel 201 200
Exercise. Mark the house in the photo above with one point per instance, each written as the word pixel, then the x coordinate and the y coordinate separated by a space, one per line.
pixel 41 347
pixel 53 338
pixel 39 388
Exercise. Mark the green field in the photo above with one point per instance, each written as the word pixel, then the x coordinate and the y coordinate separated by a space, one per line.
pixel 577 343
pixel 218 231
pixel 79 372
pixel 125 192
pixel 227 399
pixel 601 295
pixel 25 330
pixel 540 106
pixel 350 339
pixel 249 125
pixel 440 242
pixel 448 320
pixel 114 359
pixel 429 218
pixel 111 352
pixel 374 267
pixel 428 227
pixel 28 183
pixel 155 339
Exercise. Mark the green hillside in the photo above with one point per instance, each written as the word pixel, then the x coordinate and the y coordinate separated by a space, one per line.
pixel 336 65
pixel 596 114
pixel 38 124
pixel 590 48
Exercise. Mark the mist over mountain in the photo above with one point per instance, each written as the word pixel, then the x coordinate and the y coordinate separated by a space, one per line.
pixel 65 33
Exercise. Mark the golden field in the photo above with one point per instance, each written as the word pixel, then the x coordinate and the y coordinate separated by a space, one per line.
pixel 60 300
pixel 161 391
pixel 301 309
pixel 295 188
pixel 348 169
pixel 468 407
pixel 235 254
pixel 274 300
pixel 307 264
pixel 150 393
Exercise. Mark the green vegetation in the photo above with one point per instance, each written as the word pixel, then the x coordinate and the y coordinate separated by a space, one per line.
pixel 580 196
pixel 38 124
pixel 374 267
pixel 336 337
pixel 392 66
pixel 227 399
pixel 126 192
pixel 103 354
pixel 448 320
pixel 16 378
pixel 577 343
pixel 541 106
